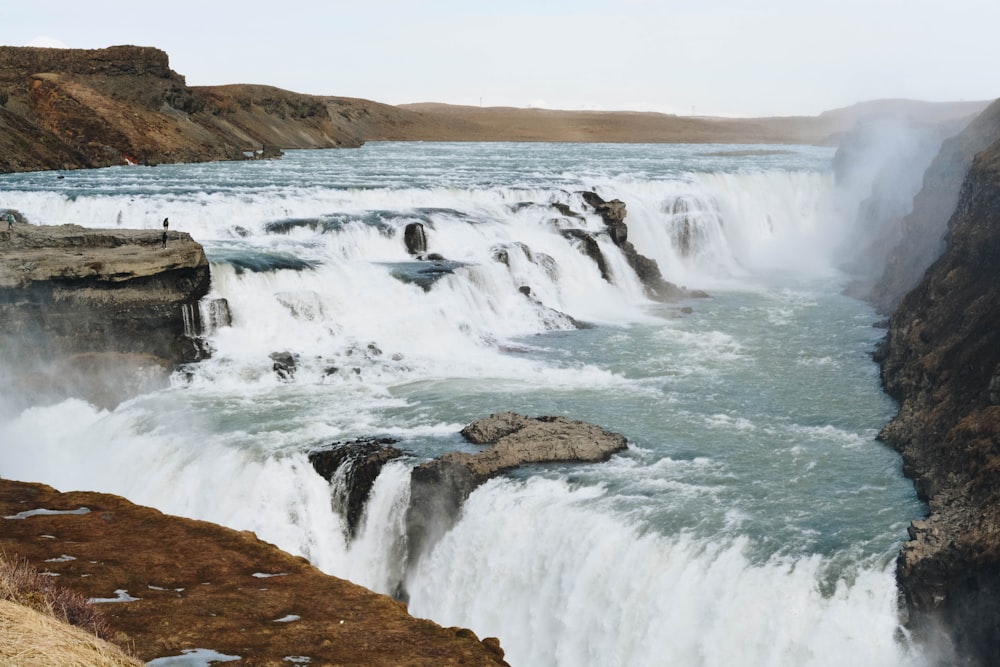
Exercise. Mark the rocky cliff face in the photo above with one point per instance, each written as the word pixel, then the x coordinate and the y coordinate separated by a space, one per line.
pixel 74 108
pixel 96 311
pixel 922 231
pixel 941 361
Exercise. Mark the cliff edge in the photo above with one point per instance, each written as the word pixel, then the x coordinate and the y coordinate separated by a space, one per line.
pixel 169 585
pixel 99 313
pixel 941 361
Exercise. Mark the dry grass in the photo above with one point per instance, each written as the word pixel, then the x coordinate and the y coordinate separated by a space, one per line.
pixel 44 624
pixel 29 638
pixel 22 584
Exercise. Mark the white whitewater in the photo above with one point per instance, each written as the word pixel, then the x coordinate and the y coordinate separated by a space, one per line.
pixel 753 520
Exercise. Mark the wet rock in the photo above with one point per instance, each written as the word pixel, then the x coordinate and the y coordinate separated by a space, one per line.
pixel 415 238
pixel 439 487
pixel 502 253
pixel 648 271
pixel 613 213
pixel 588 245
pixel 554 319
pixel 352 467
pixel 285 364
pixel 566 210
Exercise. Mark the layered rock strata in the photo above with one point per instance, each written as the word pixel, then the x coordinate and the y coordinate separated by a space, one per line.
pixel 941 361
pixel 76 108
pixel 169 585
pixel 89 308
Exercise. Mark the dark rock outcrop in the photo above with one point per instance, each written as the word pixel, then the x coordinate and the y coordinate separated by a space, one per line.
pixel 940 360
pixel 591 248
pixel 352 468
pixel 439 487
pixel 284 364
pixel 613 213
pixel 415 238
pixel 923 229
pixel 114 296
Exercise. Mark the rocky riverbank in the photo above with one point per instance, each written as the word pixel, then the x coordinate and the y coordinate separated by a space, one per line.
pixel 941 361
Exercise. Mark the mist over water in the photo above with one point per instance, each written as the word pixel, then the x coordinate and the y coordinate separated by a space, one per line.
pixel 753 519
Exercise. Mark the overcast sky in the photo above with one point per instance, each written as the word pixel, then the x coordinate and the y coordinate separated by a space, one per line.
pixel 708 57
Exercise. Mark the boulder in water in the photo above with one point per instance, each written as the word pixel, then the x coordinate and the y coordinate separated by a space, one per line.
pixel 415 238
pixel 285 364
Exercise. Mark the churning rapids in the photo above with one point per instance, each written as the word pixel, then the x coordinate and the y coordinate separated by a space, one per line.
pixel 753 520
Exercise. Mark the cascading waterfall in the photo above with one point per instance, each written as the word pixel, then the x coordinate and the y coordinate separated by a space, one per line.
pixel 753 519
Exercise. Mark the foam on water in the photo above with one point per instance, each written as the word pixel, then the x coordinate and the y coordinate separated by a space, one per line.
pixel 626 597
pixel 752 520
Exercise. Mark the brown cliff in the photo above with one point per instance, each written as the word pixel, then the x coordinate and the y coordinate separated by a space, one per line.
pixel 941 361
pixel 75 108
pixel 188 585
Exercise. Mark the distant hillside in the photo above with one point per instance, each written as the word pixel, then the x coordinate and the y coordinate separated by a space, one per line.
pixel 466 123
pixel 71 108
pixel 75 108
pixel 915 110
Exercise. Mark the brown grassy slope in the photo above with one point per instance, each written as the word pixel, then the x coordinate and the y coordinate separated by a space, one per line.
pixel 465 123
pixel 201 586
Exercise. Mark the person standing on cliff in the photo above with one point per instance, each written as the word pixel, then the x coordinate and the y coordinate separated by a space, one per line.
pixel 166 223
pixel 10 220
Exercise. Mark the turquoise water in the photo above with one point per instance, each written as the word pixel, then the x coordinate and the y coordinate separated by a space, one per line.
pixel 754 519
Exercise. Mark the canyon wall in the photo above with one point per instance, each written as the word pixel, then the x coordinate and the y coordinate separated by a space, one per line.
pixel 941 361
